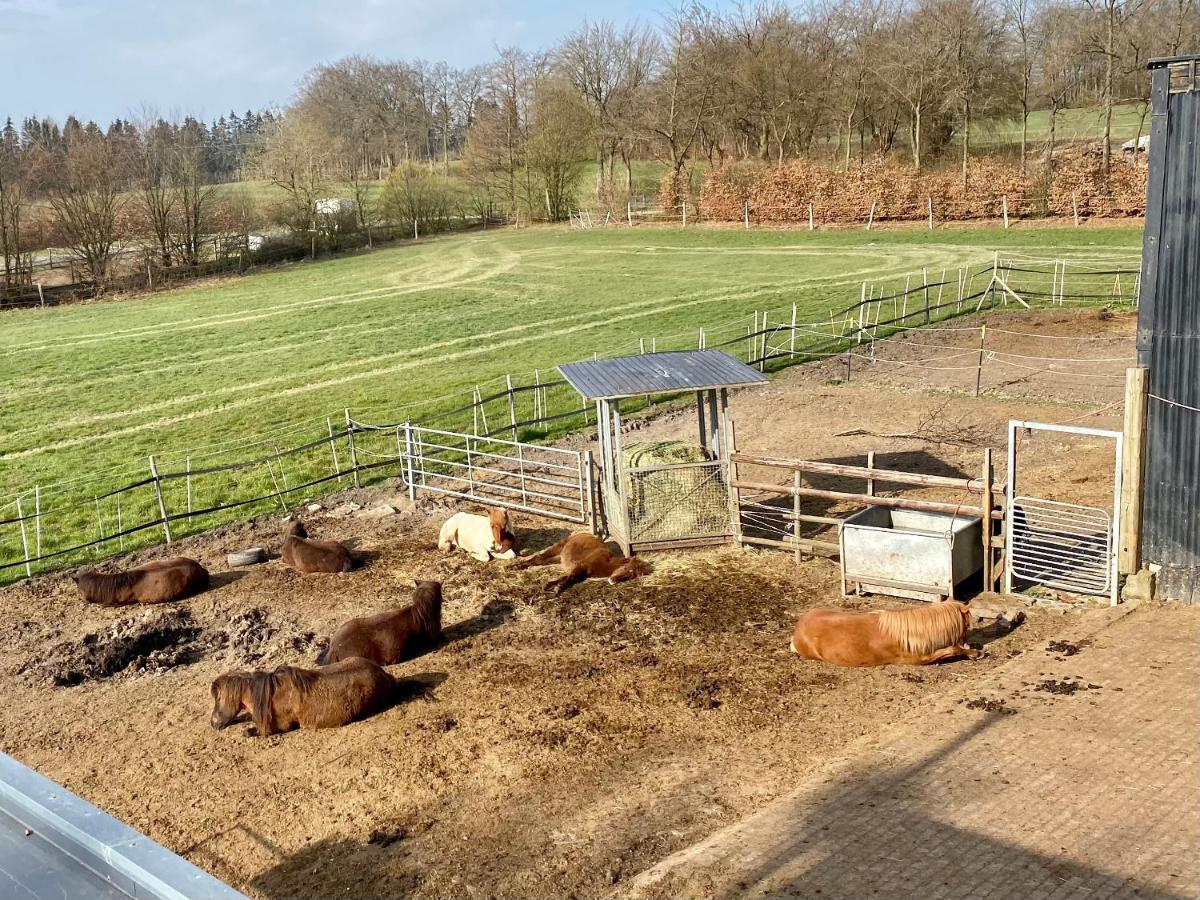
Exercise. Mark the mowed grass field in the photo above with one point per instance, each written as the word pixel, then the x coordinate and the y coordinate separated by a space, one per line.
pixel 96 388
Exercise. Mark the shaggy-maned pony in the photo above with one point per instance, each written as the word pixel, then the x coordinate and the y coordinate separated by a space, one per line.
pixel 583 556
pixel 153 582
pixel 310 556
pixel 291 697
pixel 392 636
pixel 906 637
pixel 484 537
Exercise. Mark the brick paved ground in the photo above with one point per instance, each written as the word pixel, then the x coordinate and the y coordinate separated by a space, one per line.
pixel 1093 793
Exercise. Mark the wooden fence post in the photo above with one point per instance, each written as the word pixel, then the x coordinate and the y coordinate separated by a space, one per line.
pixel 37 518
pixel 870 468
pixel 24 539
pixel 162 507
pixel 871 216
pixel 746 213
pixel 512 408
pixel 99 524
pixel 979 367
pixel 629 213
pixel 120 526
pixel 797 482
pixel 735 494
pixel 1075 206
pixel 792 342
pixel 41 296
pixel 353 449
pixel 1132 470
pixel 337 469
pixel 985 512
pixel 810 216
pixel 930 200
pixel 416 231
pixel 683 206
pixel 1005 199
pixel 408 458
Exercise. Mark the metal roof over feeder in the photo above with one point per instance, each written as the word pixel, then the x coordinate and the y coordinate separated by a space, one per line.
pixel 683 503
pixel 658 373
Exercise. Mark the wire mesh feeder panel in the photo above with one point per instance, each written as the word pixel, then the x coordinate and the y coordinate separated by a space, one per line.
pixel 674 492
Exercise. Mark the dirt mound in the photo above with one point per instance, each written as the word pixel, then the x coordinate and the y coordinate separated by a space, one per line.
pixel 251 635
pixel 158 640
pixel 152 641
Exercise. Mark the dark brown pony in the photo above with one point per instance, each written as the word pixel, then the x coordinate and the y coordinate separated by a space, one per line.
pixel 583 556
pixel 905 637
pixel 308 556
pixel 393 636
pixel 291 697
pixel 154 582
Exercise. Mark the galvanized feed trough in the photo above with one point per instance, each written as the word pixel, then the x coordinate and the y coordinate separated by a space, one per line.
pixel 904 553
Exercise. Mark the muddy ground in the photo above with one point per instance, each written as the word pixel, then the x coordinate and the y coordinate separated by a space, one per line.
pixel 553 745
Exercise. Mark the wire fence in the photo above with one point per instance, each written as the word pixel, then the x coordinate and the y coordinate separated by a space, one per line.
pixel 185 491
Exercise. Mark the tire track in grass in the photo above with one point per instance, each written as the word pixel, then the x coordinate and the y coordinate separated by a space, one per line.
pixel 255 347
pixel 463 275
pixel 390 370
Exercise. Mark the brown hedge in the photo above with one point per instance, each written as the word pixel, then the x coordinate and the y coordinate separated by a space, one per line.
pixel 779 194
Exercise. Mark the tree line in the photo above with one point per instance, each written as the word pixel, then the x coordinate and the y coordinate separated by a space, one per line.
pixel 421 145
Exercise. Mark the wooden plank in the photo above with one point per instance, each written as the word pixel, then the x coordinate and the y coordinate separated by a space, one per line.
pixel 862 472
pixel 894 502
pixel 985 510
pixel 812 546
pixel 1132 470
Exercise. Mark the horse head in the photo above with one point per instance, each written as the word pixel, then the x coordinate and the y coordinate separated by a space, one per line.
pixel 634 567
pixel 501 537
pixel 229 692
pixel 296 529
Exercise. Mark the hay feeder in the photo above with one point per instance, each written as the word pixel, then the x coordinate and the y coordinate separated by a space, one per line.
pixel 671 493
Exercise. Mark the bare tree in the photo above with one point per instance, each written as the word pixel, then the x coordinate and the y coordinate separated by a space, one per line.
pixel 84 183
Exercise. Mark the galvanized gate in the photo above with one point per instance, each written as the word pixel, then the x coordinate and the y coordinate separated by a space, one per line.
pixel 1061 545
pixel 546 481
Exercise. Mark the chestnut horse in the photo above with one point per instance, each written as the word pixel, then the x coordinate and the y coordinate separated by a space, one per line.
pixel 291 697
pixel 310 556
pixel 153 582
pixel 583 556
pixel 904 637
pixel 392 636
pixel 484 537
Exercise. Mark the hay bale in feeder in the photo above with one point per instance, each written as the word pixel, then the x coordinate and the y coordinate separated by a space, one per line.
pixel 687 499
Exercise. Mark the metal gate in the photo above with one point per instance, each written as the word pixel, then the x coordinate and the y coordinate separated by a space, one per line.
pixel 1061 545
pixel 546 481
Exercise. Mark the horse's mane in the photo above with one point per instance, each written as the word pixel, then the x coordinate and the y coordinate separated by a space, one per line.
pixel 102 587
pixel 925 629
pixel 264 684
pixel 427 607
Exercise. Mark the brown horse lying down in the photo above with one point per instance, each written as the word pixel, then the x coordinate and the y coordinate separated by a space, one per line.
pixel 904 637
pixel 291 697
pixel 310 556
pixel 583 556
pixel 154 582
pixel 392 636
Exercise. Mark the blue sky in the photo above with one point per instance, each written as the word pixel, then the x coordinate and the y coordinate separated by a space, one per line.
pixel 106 58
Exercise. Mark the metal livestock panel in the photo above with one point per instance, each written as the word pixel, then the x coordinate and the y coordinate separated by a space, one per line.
pixel 1168 335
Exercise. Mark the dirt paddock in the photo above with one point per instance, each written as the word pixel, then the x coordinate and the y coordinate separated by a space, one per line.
pixel 553 746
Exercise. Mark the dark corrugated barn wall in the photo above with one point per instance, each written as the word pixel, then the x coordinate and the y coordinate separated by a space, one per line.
pixel 1168 334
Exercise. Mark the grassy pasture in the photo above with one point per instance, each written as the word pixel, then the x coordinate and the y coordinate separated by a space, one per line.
pixel 205 370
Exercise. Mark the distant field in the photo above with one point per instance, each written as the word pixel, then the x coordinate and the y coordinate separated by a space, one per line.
pixel 1073 125
pixel 98 387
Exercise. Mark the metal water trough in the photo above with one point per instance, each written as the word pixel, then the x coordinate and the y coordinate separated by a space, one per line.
pixel 54 844
pixel 905 553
